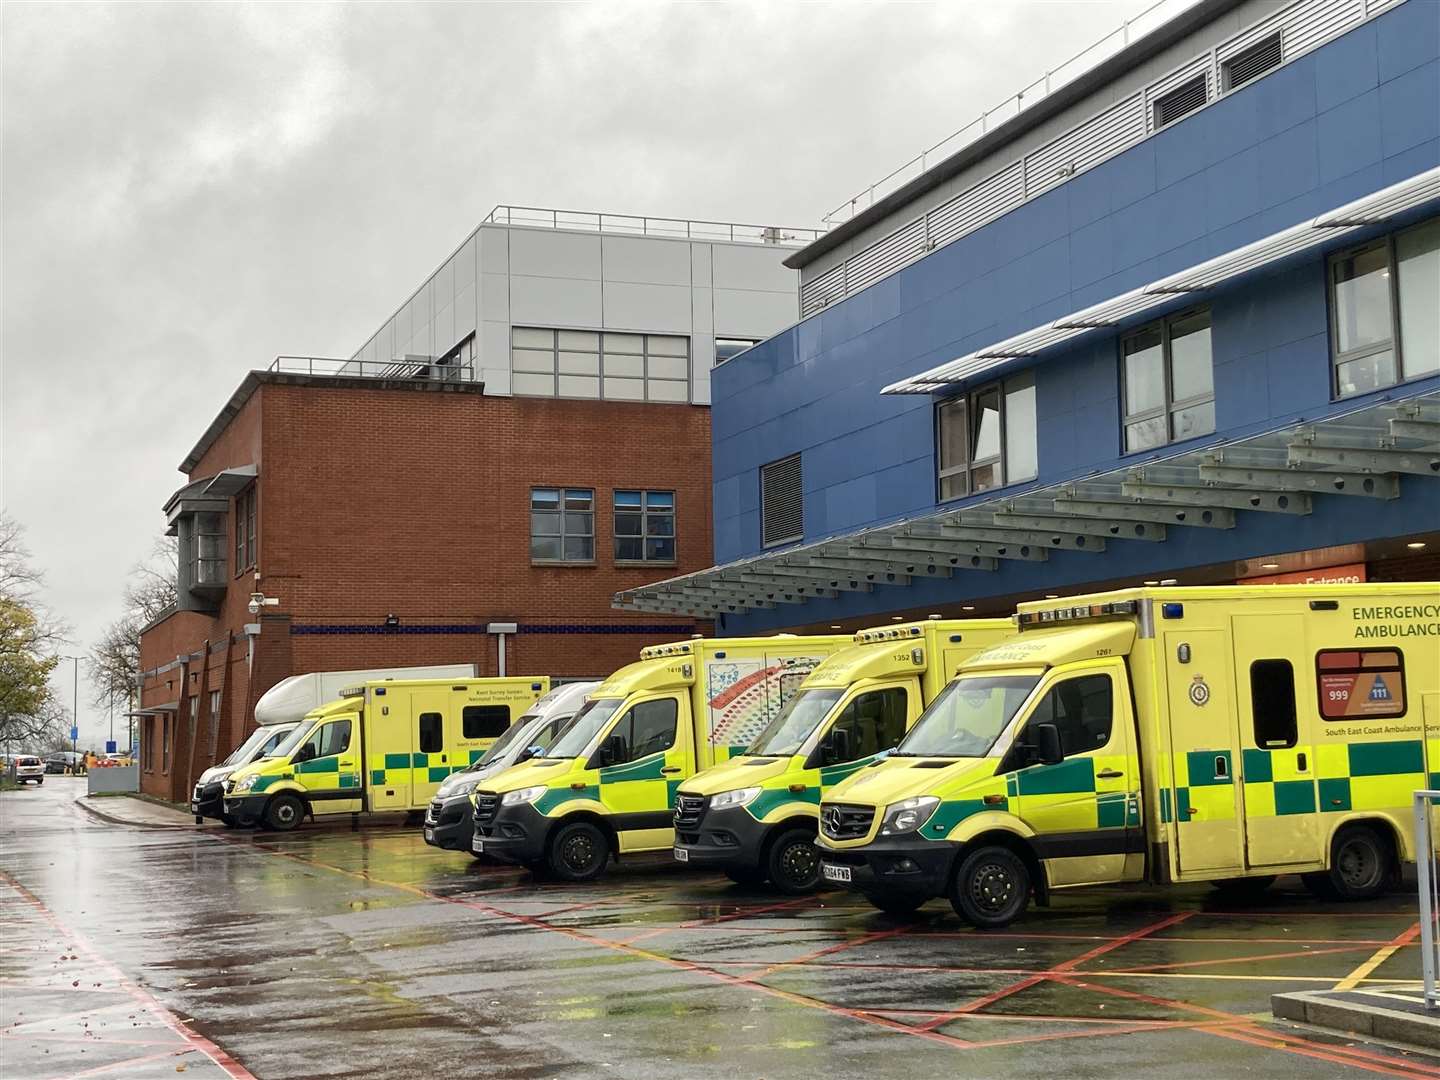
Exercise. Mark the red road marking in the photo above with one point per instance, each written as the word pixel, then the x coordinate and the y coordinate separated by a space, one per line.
pixel 177 1052
pixel 1243 959
pixel 830 950
pixel 192 1038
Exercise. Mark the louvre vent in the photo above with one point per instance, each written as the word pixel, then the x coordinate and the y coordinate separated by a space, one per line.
pixel 1253 62
pixel 1182 101
pixel 782 510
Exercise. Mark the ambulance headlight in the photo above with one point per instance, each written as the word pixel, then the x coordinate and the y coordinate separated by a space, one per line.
pixel 908 814
pixel 245 783
pixel 522 795
pixel 738 797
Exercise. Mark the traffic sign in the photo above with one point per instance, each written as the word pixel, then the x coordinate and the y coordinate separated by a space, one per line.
pixel 74 733
pixel 110 746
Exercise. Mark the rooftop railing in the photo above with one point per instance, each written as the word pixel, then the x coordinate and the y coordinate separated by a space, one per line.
pixel 417 368
pixel 1086 60
pixel 537 217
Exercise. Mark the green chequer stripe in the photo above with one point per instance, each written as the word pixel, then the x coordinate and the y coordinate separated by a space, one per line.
pixel 1258 769
pixel 417 761
pixel 264 782
pixel 476 755
pixel 377 777
pixel 435 775
pixel 319 765
pixel 349 780
pixel 770 798
pixel 555 796
pixel 397 761
pixel 949 814
pixel 1201 764
pixel 1387 758
pixel 1182 801
pixel 1111 810
pixel 647 768
pixel 833 774
pixel 1294 797
pixel 1068 777
pixel 1335 795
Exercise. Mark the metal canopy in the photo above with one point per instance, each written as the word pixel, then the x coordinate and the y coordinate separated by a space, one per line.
pixel 230 482
pixel 1380 451
pixel 1323 229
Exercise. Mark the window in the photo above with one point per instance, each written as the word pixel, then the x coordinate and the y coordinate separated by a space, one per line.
pixel 484 721
pixel 326 741
pixel 1082 710
pixel 726 348
pixel 202 539
pixel 782 505
pixel 986 438
pixel 165 746
pixel 245 554
pixel 648 728
pixel 591 364
pixel 645 526
pixel 1272 704
pixel 562 524
pixel 432 736
pixel 1366 310
pixel 1367 683
pixel 1169 381
pixel 194 707
pixel 148 740
pixel 874 721
pixel 214 704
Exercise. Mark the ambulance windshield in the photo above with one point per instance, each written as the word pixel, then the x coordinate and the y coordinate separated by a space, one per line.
pixel 793 724
pixel 262 741
pixel 588 723
pixel 290 742
pixel 967 717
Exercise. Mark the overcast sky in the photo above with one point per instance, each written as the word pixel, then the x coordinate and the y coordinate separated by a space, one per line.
pixel 191 190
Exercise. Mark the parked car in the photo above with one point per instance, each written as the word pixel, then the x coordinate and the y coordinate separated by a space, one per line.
pixel 27 767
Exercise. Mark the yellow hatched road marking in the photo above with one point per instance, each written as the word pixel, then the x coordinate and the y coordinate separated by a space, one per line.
pixel 1382 954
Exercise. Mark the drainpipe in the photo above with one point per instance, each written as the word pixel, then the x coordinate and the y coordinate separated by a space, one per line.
pixel 501 630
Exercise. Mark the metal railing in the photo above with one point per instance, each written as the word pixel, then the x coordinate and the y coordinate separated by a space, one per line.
pixel 1428 874
pixel 539 217
pixel 416 368
pixel 1086 60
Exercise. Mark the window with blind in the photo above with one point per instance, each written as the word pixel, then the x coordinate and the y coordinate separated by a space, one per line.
pixel 592 364
pixel 986 438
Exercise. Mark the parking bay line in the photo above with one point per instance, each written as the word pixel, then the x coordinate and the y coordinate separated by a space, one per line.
pixel 1381 955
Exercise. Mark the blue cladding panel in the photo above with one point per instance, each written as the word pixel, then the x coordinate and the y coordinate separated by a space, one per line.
pixel 1334 125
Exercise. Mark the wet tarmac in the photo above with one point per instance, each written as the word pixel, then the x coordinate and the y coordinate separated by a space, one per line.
pixel 129 952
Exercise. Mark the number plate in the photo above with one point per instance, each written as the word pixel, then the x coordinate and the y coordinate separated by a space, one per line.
pixel 831 872
pixel 194 807
pixel 681 855
pixel 477 845
pixel 429 834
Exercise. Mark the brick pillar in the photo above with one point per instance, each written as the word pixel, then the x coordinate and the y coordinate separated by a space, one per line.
pixel 176 789
pixel 198 760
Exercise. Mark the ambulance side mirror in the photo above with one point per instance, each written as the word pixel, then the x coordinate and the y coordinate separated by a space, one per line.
pixel 839 746
pixel 305 753
pixel 612 750
pixel 1047 744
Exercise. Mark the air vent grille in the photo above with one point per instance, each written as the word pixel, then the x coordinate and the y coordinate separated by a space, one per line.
pixel 1182 101
pixel 782 508
pixel 1253 62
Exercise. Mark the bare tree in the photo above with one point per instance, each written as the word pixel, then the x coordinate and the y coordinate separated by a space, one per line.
pixel 29 640
pixel 150 593
pixel 21 584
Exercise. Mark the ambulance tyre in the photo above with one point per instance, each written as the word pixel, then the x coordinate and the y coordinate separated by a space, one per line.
pixel 578 852
pixel 745 877
pixel 283 813
pixel 792 863
pixel 896 905
pixel 230 820
pixel 1243 888
pixel 991 887
pixel 1360 866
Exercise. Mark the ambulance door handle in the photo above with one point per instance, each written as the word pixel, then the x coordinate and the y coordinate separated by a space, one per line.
pixel 1222 768
pixel 673 769
pixel 1300 762
pixel 1109 774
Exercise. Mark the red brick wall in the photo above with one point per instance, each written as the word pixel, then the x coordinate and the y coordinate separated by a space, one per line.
pixel 377 501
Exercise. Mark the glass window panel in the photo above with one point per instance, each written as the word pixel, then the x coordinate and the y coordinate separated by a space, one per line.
pixel 545 547
pixel 580 548
pixel 625 389
pixel 1366 374
pixel 666 390
pixel 544 498
pixel 624 343
pixel 1191 369
pixel 1417 255
pixel 660 524
pixel 627 524
pixel 985 477
pixel 986 436
pixel 523 335
pixel 725 348
pixel 669 367
pixel 579 386
pixel 1193 420
pixel 580 340
pixel 627 499
pixel 579 498
pixel 661 548
pixel 544 524
pixel 1021 455
pixel 668 346
pixel 1362 299
pixel 952 434
pixel 629 548
pixel 1144 372
pixel 578 524
pixel 532 360
pixel 532 385
pixel 579 363
pixel 953 486
pixel 661 500
pixel 1143 434
pixel 624 365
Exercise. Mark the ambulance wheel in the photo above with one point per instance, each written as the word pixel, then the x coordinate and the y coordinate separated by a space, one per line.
pixel 579 852
pixel 792 863
pixel 230 820
pixel 745 877
pixel 1359 865
pixel 991 888
pixel 1242 888
pixel 283 813
pixel 901 906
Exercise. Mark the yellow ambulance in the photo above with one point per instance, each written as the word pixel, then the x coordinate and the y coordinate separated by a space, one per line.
pixel 607 785
pixel 754 816
pixel 381 747
pixel 1225 734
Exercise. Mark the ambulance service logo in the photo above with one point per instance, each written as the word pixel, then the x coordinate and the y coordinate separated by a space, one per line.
pixel 1199 692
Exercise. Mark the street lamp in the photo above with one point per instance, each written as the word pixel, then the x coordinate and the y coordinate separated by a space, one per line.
pixel 74 712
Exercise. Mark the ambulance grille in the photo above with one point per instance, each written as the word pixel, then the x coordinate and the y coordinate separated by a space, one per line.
pixel 689 809
pixel 839 822
pixel 487 805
